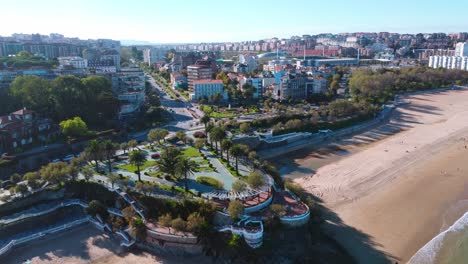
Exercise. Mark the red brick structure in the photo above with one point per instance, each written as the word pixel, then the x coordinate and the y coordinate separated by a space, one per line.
pixel 24 128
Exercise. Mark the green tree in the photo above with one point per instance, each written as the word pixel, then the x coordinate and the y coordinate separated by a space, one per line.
pixel 132 144
pixel 15 178
pixel 181 136
pixel 244 128
pixel 236 151
pixel 138 229
pixel 239 186
pixel 185 167
pixel 205 120
pixel 95 208
pixel 179 224
pixel 32 92
pixel 200 143
pixel 195 222
pixel 226 145
pixel 124 146
pixel 75 127
pixel 113 179
pixel 109 149
pixel 168 160
pixel 94 152
pixel 55 173
pixel 137 158
pixel 156 135
pixel 21 189
pixel 255 179
pixel 87 174
pixel 33 179
pixel 145 187
pixel 217 134
pixel 165 220
pixel 235 209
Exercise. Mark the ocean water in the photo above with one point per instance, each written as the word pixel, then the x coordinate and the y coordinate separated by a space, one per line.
pixel 449 247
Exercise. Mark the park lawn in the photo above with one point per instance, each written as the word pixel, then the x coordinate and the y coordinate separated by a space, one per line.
pixel 132 168
pixel 170 189
pixel 191 152
pixel 205 169
pixel 158 174
pixel 215 183
pixel 222 115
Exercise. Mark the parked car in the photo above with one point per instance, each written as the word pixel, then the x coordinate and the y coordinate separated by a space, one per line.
pixel 155 156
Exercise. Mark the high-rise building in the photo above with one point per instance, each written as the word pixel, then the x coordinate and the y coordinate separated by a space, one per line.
pixel 461 49
pixel 201 70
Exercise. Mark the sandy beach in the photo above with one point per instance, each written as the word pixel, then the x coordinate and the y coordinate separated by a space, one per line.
pixel 389 193
pixel 82 245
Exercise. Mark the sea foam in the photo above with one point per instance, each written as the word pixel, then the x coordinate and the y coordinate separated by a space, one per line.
pixel 448 247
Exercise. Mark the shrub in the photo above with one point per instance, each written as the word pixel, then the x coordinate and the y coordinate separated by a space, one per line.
pixel 239 186
pixel 235 209
pixel 179 224
pixel 217 184
pixel 199 134
pixel 255 179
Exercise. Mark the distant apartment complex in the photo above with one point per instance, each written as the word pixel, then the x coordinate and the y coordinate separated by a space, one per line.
pixel 459 61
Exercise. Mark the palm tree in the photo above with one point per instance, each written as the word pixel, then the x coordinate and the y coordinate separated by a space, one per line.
pixel 168 160
pixel 205 120
pixel 236 151
pixel 137 158
pixel 94 152
pixel 113 179
pixel 226 144
pixel 109 149
pixel 184 167
pixel 124 147
pixel 217 134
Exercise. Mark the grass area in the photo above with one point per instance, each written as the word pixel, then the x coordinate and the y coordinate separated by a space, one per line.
pixel 205 169
pixel 215 183
pixel 172 188
pixel 132 168
pixel 158 174
pixel 231 169
pixel 222 115
pixel 191 152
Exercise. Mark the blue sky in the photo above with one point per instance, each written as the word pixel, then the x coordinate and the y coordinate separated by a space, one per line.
pixel 171 21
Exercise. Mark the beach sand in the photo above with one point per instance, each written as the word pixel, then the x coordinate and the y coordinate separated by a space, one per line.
pixel 84 244
pixel 391 196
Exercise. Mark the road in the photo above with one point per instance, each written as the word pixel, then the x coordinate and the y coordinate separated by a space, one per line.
pixel 182 118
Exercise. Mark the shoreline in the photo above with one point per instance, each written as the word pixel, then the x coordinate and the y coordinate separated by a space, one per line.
pixel 402 189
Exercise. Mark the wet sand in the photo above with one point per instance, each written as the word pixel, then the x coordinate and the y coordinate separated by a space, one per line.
pixel 393 192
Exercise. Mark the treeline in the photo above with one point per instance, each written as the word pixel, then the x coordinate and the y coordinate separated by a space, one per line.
pixel 24 60
pixel 382 85
pixel 338 114
pixel 63 98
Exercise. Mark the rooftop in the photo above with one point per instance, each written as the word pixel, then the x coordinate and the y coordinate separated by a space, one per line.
pixel 208 81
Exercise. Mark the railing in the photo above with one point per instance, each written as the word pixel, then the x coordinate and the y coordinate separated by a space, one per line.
pixel 16 242
pixel 58 206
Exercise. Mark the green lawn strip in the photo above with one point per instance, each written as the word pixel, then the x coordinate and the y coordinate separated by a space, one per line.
pixel 232 170
pixel 172 188
pixel 132 168
pixel 191 152
pixel 215 183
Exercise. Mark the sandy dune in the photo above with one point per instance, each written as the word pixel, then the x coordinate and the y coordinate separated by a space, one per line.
pixel 398 192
